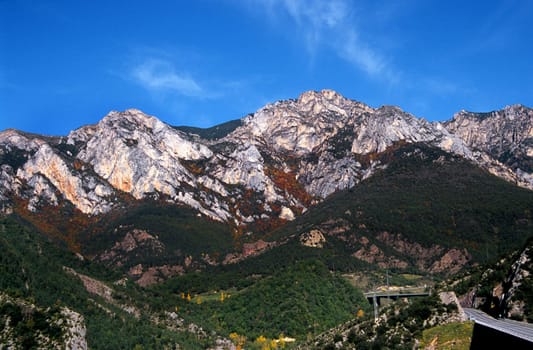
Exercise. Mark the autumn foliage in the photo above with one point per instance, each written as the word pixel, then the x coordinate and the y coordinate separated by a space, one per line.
pixel 287 182
pixel 50 220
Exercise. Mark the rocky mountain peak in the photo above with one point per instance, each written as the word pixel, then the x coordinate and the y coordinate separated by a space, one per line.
pixel 300 126
pixel 323 99
pixel 506 135
pixel 14 138
pixel 139 154
pixel 508 113
pixel 516 107
pixel 129 119
pixel 388 110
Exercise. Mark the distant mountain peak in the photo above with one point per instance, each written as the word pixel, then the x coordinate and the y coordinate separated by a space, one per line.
pixel 509 111
pixel 516 106
pixel 505 135
pixel 330 96
pixel 129 118
pixel 20 139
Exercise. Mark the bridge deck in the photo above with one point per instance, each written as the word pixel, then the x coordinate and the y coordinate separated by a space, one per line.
pixel 394 294
pixel 520 330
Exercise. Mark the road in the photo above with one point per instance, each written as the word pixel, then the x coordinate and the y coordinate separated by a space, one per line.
pixel 518 329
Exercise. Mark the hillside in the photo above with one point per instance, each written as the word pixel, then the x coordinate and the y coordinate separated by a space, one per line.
pixel 432 322
pixel 416 215
pixel 427 211
pixel 153 241
pixel 119 314
pixel 298 301
pixel 502 289
pixel 50 280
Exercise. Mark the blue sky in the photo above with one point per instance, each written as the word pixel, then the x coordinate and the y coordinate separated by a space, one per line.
pixel 67 63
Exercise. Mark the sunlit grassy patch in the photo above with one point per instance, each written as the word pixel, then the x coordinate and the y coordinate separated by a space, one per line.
pixel 452 336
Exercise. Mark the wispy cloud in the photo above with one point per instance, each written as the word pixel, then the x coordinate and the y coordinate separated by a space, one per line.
pixel 314 18
pixel 331 25
pixel 353 50
pixel 161 76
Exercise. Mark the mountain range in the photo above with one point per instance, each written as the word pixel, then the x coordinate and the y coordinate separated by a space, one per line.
pixel 245 178
pixel 299 188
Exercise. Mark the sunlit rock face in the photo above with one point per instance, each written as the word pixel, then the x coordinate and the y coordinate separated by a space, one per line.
pixel 506 136
pixel 34 170
pixel 323 134
pixel 139 154
pixel 300 126
pixel 279 161
pixel 47 172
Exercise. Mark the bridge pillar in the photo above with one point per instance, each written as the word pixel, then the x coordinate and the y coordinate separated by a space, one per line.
pixel 375 302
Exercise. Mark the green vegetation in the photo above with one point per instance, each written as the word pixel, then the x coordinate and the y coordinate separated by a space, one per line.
pixel 289 292
pixel 248 271
pixel 400 324
pixel 180 230
pixel 25 322
pixel 525 293
pixel 301 300
pixel 31 268
pixel 452 336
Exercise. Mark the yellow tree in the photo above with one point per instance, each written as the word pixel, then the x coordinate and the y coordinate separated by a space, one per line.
pixel 263 342
pixel 281 341
pixel 238 340
pixel 261 339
